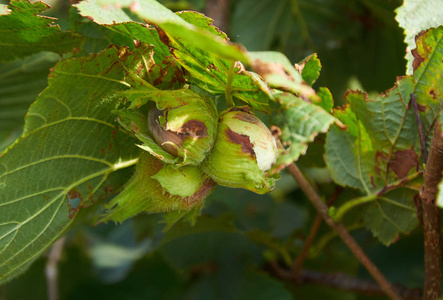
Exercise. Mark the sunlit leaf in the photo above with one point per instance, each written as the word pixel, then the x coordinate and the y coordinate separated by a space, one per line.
pixel 417 15
pixel 300 122
pixel 23 33
pixel 108 12
pixel 65 158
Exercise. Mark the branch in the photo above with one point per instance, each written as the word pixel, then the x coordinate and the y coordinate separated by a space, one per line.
pixel 342 282
pixel 322 208
pixel 219 11
pixel 51 269
pixel 431 216
pixel 314 229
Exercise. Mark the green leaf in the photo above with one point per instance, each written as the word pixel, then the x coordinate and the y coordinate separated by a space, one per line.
pixel 375 154
pixel 428 64
pixel 67 155
pixel 300 122
pixel 155 13
pixel 381 149
pixel 20 83
pixel 278 59
pixel 23 33
pixel 417 15
pixel 98 37
pixel 278 72
pixel 326 102
pixel 217 75
pixel 440 194
pixel 198 46
pixel 391 213
pixel 311 69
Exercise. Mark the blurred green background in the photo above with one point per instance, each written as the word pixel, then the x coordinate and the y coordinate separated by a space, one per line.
pixel 226 254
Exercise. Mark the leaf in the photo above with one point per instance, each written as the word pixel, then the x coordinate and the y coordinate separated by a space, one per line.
pixel 198 46
pixel 98 37
pixel 108 12
pixel 390 214
pixel 326 102
pixel 23 33
pixel 439 199
pixel 381 149
pixel 376 154
pixel 216 75
pixel 417 15
pixel 278 72
pixel 300 122
pixel 311 69
pixel 67 156
pixel 359 38
pixel 428 64
pixel 278 59
pixel 20 83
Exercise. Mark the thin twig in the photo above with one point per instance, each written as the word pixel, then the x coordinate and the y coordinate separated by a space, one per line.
pixel 431 217
pixel 322 208
pixel 424 151
pixel 218 10
pixel 296 267
pixel 51 270
pixel 341 281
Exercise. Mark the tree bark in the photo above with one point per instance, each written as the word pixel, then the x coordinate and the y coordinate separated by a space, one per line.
pixel 431 217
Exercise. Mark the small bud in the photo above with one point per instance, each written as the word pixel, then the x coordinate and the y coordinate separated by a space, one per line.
pixel 243 153
pixel 184 125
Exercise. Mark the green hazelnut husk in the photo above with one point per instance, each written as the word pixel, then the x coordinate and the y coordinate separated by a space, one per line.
pixel 158 187
pixel 185 125
pixel 243 153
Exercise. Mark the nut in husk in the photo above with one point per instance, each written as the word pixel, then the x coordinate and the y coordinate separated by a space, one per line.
pixel 184 124
pixel 243 153
pixel 159 187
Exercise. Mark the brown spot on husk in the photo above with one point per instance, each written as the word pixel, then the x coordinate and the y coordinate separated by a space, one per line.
pixel 403 162
pixel 247 118
pixel 205 189
pixel 241 139
pixel 194 128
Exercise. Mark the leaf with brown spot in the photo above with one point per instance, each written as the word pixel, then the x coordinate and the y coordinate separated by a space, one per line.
pixel 375 154
pixel 403 162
